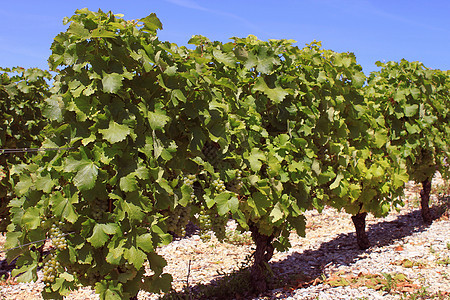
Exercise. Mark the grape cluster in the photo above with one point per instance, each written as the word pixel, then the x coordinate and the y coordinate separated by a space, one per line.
pixel 218 225
pixel 189 181
pixel 50 269
pixel 57 236
pixel 99 206
pixel 219 186
pixel 208 219
pixel 178 219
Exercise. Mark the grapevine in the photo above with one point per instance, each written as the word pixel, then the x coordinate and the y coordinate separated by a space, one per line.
pixel 257 131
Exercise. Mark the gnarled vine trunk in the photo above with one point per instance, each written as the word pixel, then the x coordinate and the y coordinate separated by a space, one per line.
pixel 263 253
pixel 425 201
pixel 359 220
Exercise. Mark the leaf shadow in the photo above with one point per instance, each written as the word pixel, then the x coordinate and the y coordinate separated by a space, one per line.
pixel 304 267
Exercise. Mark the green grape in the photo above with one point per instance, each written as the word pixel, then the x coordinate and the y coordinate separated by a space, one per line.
pixel 177 219
pixel 57 236
pixel 219 186
pixel 184 214
pixel 189 181
pixel 218 224
pixel 209 219
pixel 49 269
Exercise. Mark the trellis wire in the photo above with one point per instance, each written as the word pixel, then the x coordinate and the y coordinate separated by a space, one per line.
pixel 35 242
pixel 23 150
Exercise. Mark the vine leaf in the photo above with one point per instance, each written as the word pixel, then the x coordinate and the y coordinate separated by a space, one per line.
pixel 255 158
pixel 63 207
pixel 276 94
pixel 135 257
pixel 226 58
pixel 31 218
pixel 358 80
pixel 115 132
pixel 226 203
pixel 45 184
pixel 411 110
pixel 276 213
pixel 100 234
pixel 157 119
pixel 86 176
pixel 53 108
pixel 145 242
pixel 112 82
pixel 151 23
pixel 128 183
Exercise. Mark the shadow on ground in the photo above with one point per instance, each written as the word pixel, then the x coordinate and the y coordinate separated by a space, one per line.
pixel 300 269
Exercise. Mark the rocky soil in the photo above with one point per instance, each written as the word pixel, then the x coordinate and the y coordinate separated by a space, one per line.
pixel 407 260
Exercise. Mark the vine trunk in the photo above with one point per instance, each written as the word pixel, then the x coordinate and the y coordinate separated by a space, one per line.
pixel 262 255
pixel 359 220
pixel 425 201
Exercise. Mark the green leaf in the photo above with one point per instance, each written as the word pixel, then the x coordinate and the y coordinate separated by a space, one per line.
pixel 134 212
pixel 227 59
pixel 255 158
pixel 115 132
pixel 299 223
pixel 102 33
pixel 358 80
pixel 380 139
pixel 45 184
pixel 226 203
pixel 112 82
pixel 178 94
pixel 100 234
pixel 411 110
pixel 128 183
pixel 276 94
pixel 26 273
pixel 53 108
pixel 151 23
pixel 78 29
pixel 135 257
pixel 158 284
pixel 112 295
pixel 261 200
pixel 32 218
pixel 86 176
pixel 63 207
pixel 145 242
pixel 23 186
pixel 115 253
pixel 276 213
pixel 337 181
pixel 157 119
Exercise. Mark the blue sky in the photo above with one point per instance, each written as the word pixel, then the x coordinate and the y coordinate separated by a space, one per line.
pixel 416 30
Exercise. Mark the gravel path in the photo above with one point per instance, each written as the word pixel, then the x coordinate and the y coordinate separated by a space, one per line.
pixel 407 260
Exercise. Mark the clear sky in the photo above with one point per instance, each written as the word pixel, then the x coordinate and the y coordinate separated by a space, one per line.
pixel 384 30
